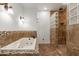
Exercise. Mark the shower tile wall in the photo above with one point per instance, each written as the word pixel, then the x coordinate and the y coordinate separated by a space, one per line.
pixel 58 27
pixel 62 26
pixel 53 29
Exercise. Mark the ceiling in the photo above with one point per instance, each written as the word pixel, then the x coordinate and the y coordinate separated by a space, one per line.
pixel 41 6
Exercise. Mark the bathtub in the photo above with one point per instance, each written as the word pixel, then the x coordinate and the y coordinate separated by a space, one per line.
pixel 21 44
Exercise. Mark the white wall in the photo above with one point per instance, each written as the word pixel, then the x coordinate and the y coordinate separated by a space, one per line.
pixel 44 27
pixel 10 22
pixel 30 18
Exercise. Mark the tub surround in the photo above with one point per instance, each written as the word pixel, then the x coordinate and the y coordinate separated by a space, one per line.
pixel 11 40
pixel 7 37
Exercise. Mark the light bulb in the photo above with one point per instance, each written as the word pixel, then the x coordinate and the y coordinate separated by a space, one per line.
pixel 10 11
pixel 45 8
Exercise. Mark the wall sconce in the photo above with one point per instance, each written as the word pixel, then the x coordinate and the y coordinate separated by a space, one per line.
pixel 22 19
pixel 7 8
pixel 10 11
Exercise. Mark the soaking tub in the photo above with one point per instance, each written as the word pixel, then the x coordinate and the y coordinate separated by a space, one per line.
pixel 23 45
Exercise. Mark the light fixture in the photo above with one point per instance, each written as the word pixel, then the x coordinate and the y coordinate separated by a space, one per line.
pixel 22 19
pixel 45 8
pixel 7 8
pixel 10 11
pixel 23 23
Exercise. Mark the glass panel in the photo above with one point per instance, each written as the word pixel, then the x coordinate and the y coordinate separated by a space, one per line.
pixel 72 5
pixel 78 19
pixel 74 20
pixel 73 12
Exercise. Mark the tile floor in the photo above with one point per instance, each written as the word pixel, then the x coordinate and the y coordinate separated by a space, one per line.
pixel 47 50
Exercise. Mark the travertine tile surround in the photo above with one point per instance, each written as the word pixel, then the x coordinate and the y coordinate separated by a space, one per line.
pixel 7 37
